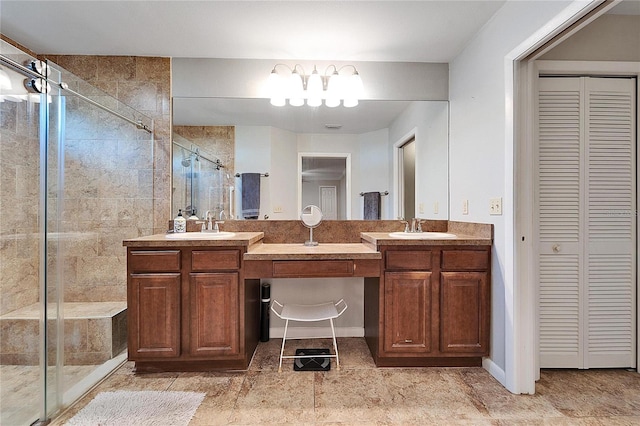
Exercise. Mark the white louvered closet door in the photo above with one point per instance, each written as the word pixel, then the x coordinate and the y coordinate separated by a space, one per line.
pixel 585 196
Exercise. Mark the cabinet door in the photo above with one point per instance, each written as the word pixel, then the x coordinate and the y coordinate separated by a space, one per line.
pixel 213 300
pixel 464 316
pixel 407 312
pixel 154 315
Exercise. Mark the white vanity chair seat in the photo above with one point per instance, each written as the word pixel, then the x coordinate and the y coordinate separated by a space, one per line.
pixel 308 313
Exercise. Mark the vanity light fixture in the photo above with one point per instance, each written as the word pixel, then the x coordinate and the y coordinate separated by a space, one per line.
pixel 330 86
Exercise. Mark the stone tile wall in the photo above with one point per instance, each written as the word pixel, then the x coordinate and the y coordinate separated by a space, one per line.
pixel 19 176
pixel 116 183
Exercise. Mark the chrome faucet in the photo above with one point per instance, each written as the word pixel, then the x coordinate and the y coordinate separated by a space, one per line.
pixel 207 218
pixel 416 225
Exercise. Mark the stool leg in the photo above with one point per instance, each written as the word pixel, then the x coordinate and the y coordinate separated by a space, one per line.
pixel 335 345
pixel 284 338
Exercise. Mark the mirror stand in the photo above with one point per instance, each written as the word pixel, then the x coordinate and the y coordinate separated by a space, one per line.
pixel 311 217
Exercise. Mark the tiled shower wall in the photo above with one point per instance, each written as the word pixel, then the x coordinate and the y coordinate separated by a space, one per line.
pixel 110 187
pixel 143 83
pixel 19 170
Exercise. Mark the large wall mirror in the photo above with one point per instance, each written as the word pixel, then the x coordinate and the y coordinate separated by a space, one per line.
pixel 304 154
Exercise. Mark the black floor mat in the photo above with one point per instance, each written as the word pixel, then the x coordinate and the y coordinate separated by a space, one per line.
pixel 316 363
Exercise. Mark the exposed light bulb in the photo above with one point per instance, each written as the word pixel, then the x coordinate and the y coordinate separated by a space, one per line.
pixel 274 88
pixel 353 90
pixel 296 89
pixel 334 90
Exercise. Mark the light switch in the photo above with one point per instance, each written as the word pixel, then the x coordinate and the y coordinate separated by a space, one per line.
pixel 421 208
pixel 465 206
pixel 435 207
pixel 495 206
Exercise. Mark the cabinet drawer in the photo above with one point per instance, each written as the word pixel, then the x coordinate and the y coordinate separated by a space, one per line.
pixel 207 260
pixel 465 260
pixel 408 259
pixel 312 268
pixel 154 261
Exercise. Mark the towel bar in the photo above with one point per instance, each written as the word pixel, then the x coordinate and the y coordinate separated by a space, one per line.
pixel 381 193
pixel 261 174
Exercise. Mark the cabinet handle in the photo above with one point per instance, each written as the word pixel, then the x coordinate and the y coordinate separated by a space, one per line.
pixel 408 340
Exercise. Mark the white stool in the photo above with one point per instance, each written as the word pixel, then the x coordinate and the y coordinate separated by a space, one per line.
pixel 323 311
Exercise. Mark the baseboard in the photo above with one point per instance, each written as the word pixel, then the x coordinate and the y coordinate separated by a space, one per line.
pixel 315 332
pixel 493 369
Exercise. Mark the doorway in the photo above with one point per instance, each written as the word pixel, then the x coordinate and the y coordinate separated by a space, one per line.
pixel 405 176
pixel 325 178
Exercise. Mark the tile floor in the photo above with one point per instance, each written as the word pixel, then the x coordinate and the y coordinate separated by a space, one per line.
pixel 361 394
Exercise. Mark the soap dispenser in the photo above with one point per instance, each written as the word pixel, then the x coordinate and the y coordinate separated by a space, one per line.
pixel 180 223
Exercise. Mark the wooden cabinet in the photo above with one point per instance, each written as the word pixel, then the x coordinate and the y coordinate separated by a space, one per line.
pixel 434 306
pixel 213 305
pixel 408 304
pixel 155 320
pixel 190 309
pixel 464 316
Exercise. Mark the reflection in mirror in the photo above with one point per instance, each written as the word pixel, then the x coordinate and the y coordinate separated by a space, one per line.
pixel 407 188
pixel 199 180
pixel 325 182
pixel 311 217
pixel 266 139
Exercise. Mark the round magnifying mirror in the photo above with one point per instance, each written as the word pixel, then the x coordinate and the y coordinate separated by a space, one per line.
pixel 311 217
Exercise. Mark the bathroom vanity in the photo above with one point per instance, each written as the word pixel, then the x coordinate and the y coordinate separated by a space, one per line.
pixel 431 303
pixel 193 304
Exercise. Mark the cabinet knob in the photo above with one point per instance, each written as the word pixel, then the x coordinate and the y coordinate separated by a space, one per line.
pixel 556 248
pixel 408 340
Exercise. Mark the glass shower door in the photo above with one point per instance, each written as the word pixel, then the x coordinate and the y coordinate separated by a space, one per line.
pixel 76 179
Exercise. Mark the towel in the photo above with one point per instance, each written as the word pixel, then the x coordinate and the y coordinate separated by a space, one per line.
pixel 372 206
pixel 250 195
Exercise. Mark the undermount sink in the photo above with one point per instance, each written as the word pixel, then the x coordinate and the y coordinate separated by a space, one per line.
pixel 422 235
pixel 200 235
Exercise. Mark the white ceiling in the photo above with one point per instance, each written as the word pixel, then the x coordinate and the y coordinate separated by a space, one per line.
pixel 400 31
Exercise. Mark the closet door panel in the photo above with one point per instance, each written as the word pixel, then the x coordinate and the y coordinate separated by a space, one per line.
pixel 611 222
pixel 558 197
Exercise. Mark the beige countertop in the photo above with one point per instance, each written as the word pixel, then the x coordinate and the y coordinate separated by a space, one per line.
pixel 383 238
pixel 299 251
pixel 161 240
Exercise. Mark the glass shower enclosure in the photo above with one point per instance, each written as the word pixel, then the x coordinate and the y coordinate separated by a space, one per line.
pixel 201 182
pixel 76 179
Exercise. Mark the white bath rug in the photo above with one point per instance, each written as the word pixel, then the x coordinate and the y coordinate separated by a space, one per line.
pixel 139 408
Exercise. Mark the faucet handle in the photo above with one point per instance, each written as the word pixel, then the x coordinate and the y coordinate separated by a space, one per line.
pixel 419 226
pixel 406 225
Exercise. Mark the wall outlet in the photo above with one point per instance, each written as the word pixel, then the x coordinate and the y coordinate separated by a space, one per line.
pixel 465 206
pixel 421 208
pixel 277 209
pixel 495 206
pixel 435 207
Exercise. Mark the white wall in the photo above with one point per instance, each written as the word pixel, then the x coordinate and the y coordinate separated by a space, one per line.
pixel 430 121
pixel 254 157
pixel 374 170
pixel 479 166
pixel 283 175
pixel 608 38
pixel 246 78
